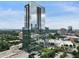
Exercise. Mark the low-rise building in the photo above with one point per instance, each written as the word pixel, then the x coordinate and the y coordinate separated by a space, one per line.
pixel 21 35
pixel 59 43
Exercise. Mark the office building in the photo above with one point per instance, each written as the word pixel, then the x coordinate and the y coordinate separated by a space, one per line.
pixel 70 29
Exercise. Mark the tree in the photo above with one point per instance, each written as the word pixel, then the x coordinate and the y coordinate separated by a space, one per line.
pixel 4 45
pixel 57 35
pixel 6 37
pixel 48 53
pixel 76 54
pixel 51 36
pixel 78 49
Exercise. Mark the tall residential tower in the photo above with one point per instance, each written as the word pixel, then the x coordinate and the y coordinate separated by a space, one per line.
pixel 34 22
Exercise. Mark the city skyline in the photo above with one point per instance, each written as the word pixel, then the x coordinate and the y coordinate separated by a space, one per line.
pixel 58 14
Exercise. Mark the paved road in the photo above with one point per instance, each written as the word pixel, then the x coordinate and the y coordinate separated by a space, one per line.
pixel 20 54
pixel 14 52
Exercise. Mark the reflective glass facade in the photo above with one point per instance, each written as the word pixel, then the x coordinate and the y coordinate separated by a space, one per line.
pixel 34 16
pixel 34 24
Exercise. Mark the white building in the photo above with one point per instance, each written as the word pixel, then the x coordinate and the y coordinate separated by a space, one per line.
pixel 60 42
pixel 21 35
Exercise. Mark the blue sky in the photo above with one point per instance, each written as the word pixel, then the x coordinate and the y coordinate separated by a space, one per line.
pixel 58 14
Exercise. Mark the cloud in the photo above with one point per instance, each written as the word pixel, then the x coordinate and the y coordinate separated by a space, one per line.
pixel 68 15
pixel 72 9
pixel 15 18
pixel 62 22
pixel 11 19
pixel 68 7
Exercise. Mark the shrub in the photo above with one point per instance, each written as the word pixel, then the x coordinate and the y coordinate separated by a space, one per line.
pixel 74 52
pixel 48 53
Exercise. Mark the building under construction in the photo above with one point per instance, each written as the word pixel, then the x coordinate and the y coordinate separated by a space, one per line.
pixel 33 29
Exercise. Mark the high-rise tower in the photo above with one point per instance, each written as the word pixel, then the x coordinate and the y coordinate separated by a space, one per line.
pixel 34 20
pixel 34 15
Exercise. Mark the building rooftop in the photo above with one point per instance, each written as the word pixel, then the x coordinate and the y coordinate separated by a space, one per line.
pixel 32 3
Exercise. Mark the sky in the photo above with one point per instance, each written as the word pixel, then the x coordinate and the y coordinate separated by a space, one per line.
pixel 58 14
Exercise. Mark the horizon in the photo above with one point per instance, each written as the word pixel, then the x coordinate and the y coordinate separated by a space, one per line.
pixel 59 14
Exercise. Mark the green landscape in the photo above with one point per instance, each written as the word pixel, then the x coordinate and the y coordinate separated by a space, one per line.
pixel 7 39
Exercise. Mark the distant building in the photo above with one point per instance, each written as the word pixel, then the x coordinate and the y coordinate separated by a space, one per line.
pixel 73 39
pixel 62 31
pixel 21 36
pixel 47 29
pixel 70 30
